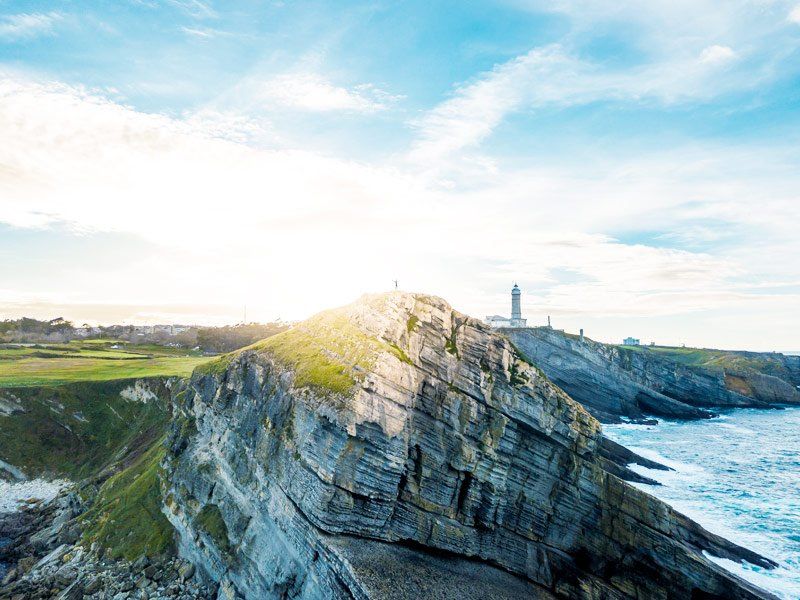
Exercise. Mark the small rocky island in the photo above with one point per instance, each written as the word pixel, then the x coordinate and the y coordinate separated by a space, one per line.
pixel 393 448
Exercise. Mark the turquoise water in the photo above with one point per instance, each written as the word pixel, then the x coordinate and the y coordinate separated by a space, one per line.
pixel 738 476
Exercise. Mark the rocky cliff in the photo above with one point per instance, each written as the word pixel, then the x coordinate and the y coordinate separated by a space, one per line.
pixel 613 381
pixel 105 536
pixel 77 430
pixel 395 448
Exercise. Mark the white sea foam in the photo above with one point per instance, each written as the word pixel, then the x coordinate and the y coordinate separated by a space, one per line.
pixel 737 429
pixel 13 495
pixel 779 580
pixel 681 468
pixel 738 477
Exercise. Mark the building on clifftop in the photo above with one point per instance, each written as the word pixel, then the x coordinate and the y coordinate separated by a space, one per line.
pixel 516 320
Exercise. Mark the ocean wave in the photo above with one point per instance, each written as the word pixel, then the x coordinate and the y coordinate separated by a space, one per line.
pixel 782 582
pixel 737 428
pixel 736 484
pixel 680 468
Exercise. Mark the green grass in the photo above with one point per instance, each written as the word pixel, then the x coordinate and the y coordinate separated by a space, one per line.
pixel 315 366
pixel 156 350
pixel 328 352
pixel 399 353
pixel 77 429
pixel 210 520
pixel 708 358
pixel 91 360
pixel 75 424
pixel 687 356
pixel 37 371
pixel 411 325
pixel 99 342
pixel 126 518
pixel 450 342
pixel 216 366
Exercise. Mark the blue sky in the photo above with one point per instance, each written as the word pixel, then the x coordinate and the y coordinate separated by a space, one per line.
pixel 633 165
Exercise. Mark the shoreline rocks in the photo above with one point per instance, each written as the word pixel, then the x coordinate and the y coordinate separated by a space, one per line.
pixel 45 560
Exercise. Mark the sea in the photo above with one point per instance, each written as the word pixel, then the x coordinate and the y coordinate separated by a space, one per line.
pixel 738 475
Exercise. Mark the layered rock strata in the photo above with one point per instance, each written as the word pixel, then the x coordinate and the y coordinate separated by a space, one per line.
pixel 614 382
pixel 396 448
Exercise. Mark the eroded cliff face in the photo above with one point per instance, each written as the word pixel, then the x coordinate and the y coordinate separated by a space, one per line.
pixel 76 430
pixel 370 451
pixel 613 382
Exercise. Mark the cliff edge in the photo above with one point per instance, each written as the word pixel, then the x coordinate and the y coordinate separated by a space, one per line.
pixel 633 382
pixel 395 448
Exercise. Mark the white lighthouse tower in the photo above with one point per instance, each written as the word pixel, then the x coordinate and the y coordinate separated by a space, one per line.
pixel 516 319
pixel 516 307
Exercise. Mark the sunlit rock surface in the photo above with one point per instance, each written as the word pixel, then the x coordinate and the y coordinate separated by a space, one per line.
pixel 398 449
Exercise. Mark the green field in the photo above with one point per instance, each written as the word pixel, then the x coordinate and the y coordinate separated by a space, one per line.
pixel 91 360
pixel 66 415
pixel 723 359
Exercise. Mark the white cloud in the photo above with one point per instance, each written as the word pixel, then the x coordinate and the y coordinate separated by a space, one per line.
pixel 94 165
pixel 794 15
pixel 552 76
pixel 717 54
pixel 307 91
pixel 196 8
pixel 670 58
pixel 477 108
pixel 226 125
pixel 672 26
pixel 204 32
pixel 292 232
pixel 28 25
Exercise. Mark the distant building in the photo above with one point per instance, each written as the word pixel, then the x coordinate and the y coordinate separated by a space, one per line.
pixel 516 320
pixel 631 341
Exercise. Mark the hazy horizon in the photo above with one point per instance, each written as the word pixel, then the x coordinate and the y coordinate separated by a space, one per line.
pixel 221 316
pixel 633 168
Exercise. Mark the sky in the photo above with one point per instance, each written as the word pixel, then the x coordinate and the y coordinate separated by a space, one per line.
pixel 633 165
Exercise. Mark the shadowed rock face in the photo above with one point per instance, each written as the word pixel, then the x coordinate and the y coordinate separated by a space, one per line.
pixel 613 382
pixel 398 449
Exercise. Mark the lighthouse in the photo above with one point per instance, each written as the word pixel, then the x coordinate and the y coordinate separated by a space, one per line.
pixel 516 308
pixel 516 303
pixel 516 319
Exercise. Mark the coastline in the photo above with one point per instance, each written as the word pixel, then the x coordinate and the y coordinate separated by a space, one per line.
pixel 737 475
